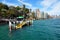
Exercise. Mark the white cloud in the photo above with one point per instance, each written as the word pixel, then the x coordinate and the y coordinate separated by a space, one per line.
pixel 3 1
pixel 9 4
pixel 55 9
pixel 47 3
pixel 30 6
pixel 21 1
pixel 53 4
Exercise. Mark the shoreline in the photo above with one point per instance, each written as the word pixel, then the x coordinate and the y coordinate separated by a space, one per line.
pixel 3 21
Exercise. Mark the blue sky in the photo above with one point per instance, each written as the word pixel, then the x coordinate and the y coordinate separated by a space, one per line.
pixel 52 7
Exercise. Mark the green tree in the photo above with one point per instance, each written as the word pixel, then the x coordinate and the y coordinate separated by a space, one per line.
pixel 18 8
pixel 33 15
pixel 26 10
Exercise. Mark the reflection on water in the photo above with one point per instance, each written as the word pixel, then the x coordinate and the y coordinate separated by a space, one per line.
pixel 40 30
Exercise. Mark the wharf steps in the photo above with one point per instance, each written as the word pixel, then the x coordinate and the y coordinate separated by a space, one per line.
pixel 7 20
pixel 3 21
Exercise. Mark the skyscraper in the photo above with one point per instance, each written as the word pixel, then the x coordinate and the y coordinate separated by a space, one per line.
pixel 45 15
pixel 38 15
pixel 42 15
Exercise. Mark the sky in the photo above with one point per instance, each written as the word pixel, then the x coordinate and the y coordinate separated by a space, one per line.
pixel 52 7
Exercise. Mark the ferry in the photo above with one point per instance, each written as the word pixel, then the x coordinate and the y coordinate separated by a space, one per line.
pixel 19 22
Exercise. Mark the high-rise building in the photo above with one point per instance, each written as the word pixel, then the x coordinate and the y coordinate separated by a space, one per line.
pixel 23 6
pixel 45 15
pixel 42 15
pixel 30 10
pixel 38 15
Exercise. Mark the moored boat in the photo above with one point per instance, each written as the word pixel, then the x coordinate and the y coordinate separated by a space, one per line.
pixel 19 22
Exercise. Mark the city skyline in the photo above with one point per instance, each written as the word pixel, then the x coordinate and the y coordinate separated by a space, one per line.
pixel 52 7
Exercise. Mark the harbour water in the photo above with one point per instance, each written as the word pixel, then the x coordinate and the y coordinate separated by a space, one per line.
pixel 40 30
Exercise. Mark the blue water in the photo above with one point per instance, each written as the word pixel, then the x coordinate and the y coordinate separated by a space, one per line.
pixel 40 30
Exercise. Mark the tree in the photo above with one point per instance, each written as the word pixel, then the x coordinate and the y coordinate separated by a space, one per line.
pixel 11 11
pixel 3 6
pixel 18 8
pixel 26 10
pixel 6 7
pixel 33 14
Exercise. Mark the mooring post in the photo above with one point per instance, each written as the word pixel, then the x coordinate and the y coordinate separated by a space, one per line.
pixel 14 26
pixel 10 26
